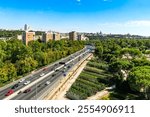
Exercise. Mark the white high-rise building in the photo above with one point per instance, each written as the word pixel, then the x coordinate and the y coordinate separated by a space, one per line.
pixel 26 28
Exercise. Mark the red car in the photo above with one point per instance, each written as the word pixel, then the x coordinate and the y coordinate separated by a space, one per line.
pixel 27 90
pixel 44 69
pixel 9 92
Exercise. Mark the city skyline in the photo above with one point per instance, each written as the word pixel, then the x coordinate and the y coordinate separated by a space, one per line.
pixel 108 16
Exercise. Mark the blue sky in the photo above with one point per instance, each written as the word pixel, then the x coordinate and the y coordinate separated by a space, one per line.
pixel 108 16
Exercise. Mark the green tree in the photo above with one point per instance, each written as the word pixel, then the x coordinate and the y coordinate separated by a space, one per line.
pixel 11 71
pixel 120 65
pixel 139 79
pixel 131 52
pixel 99 51
pixel 3 76
pixel 26 65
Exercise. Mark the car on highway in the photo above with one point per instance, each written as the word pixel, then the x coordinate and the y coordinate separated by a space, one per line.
pixel 55 64
pixel 9 92
pixel 15 86
pixel 63 71
pixel 22 80
pixel 61 62
pixel 39 85
pixel 64 74
pixel 53 75
pixel 65 64
pixel 42 74
pixel 44 68
pixel 56 70
pixel 27 90
pixel 27 82
pixel 47 82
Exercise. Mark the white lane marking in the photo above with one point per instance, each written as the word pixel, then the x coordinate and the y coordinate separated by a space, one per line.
pixel 24 88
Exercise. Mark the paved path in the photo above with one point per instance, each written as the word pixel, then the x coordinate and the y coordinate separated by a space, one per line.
pixel 98 95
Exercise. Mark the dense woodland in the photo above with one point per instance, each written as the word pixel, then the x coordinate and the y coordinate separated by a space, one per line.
pixel 10 33
pixel 16 59
pixel 129 61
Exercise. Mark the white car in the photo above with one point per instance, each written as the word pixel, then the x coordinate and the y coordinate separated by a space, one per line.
pixel 42 74
pixel 22 80
pixel 47 82
pixel 27 82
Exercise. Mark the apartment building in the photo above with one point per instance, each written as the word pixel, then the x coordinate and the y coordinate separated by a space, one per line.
pixel 27 37
pixel 56 36
pixel 73 35
pixel 47 36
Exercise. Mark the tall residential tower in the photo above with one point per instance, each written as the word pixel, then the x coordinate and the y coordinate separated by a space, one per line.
pixel 47 36
pixel 73 35
pixel 27 37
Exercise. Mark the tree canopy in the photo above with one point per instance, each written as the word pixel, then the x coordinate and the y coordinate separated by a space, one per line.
pixel 16 59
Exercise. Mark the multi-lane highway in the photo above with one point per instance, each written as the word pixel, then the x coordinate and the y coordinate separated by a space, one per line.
pixel 43 78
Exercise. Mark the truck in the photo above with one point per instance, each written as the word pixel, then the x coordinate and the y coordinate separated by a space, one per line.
pixel 61 62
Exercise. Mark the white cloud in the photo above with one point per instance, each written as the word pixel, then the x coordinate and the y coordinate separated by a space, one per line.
pixel 141 27
pixel 138 23
pixel 134 23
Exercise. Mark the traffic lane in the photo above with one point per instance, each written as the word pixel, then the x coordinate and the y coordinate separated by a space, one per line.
pixel 29 95
pixel 61 74
pixel 43 82
pixel 3 92
pixel 21 85
pixel 41 88
pixel 34 82
pixel 74 55
pixel 50 78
